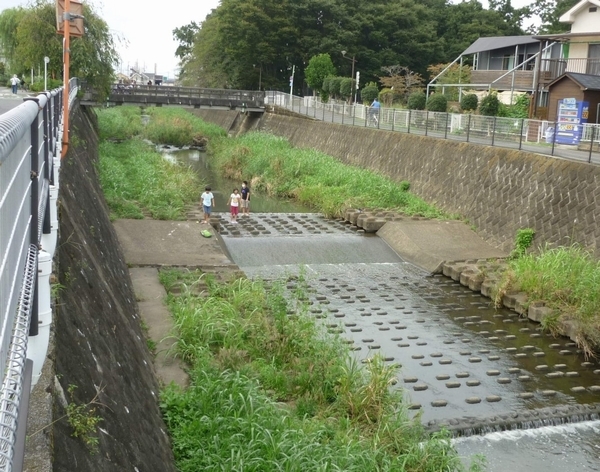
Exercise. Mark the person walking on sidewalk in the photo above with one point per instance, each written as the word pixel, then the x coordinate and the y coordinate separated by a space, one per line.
pixel 208 202
pixel 14 82
pixel 245 202
pixel 234 205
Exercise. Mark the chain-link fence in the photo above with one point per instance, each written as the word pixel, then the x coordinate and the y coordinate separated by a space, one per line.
pixel 529 135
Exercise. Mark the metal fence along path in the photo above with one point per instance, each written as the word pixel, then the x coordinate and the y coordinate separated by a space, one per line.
pixel 30 149
pixel 515 133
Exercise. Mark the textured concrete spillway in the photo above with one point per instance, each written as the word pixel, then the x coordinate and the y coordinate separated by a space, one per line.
pixel 463 364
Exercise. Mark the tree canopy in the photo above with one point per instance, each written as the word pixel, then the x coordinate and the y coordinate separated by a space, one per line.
pixel 29 34
pixel 246 42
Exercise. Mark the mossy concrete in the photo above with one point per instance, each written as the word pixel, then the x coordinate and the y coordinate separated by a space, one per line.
pixel 98 347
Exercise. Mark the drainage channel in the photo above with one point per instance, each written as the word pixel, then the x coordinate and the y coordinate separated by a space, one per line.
pixel 463 364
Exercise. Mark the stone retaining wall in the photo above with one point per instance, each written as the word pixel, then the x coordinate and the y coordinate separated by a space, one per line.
pixel 498 190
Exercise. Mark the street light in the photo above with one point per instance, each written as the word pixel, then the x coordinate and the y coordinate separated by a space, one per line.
pixel 353 61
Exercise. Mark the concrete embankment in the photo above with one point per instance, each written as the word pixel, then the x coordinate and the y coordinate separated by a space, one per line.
pixel 99 350
pixel 498 190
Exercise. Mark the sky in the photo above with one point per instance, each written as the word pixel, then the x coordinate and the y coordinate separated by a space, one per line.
pixel 145 30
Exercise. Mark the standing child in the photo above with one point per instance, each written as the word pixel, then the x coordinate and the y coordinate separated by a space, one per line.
pixel 234 203
pixel 208 201
pixel 245 202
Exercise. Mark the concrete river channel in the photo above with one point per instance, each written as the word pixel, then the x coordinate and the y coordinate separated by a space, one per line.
pixel 524 399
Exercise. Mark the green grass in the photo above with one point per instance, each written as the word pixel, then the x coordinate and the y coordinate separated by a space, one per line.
pixel 178 127
pixel 270 390
pixel 137 180
pixel 567 280
pixel 311 177
pixel 120 123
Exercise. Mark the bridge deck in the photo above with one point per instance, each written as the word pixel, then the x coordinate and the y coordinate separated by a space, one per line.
pixel 159 95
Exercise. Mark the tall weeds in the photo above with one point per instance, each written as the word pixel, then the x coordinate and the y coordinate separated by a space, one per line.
pixel 567 279
pixel 311 177
pixel 270 390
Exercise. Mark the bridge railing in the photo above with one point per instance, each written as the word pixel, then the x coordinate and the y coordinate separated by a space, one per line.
pixel 529 135
pixel 187 96
pixel 30 136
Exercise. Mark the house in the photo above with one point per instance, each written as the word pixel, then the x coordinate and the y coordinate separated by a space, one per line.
pixel 531 63
pixel 580 56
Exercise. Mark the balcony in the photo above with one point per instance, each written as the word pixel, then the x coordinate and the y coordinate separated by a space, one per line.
pixel 550 69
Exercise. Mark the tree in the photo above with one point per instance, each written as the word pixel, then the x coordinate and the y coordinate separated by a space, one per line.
pixel 454 75
pixel 370 92
pixel 185 35
pixel 347 87
pixel 417 101
pixel 319 67
pixel 490 105
pixel 31 34
pixel 469 102
pixel 334 86
pixel 401 80
pixel 437 102
pixel 549 12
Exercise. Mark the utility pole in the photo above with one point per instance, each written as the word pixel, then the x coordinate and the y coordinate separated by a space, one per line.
pixel 292 84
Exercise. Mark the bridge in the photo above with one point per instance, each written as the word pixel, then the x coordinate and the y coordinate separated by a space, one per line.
pixel 159 95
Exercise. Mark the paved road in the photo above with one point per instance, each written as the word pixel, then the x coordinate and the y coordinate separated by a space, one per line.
pixel 9 100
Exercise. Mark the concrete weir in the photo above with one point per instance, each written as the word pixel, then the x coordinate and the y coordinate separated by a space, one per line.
pixel 463 364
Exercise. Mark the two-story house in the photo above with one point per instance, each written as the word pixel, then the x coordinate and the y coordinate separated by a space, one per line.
pixel 538 64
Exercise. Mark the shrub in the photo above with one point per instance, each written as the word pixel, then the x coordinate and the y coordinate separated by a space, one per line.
pixel 437 102
pixel 334 86
pixel 490 105
pixel 417 101
pixel 370 92
pixel 469 102
pixel 346 87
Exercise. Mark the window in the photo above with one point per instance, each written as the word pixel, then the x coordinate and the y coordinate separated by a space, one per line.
pixel 593 9
pixel 508 62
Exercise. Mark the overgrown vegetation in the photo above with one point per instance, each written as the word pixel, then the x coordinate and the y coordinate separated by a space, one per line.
pixel 567 280
pixel 138 181
pixel 311 177
pixel 523 241
pixel 178 127
pixel 271 391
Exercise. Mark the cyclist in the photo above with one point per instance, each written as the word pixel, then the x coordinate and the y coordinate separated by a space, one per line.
pixel 374 111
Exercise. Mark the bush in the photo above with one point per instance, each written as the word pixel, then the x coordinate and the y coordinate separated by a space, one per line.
pixel 326 84
pixel 437 102
pixel 417 101
pixel 490 105
pixel 520 109
pixel 334 86
pixel 346 87
pixel 469 102
pixel 370 92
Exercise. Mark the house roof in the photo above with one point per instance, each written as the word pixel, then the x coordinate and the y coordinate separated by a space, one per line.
pixel 565 36
pixel 585 81
pixel 569 16
pixel 497 42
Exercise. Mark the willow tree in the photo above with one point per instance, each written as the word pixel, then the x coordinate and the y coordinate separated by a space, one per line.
pixel 29 34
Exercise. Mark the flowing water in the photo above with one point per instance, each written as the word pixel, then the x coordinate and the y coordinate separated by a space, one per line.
pixel 521 396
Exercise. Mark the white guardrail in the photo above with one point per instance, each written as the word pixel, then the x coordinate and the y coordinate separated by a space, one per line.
pixel 30 151
pixel 531 135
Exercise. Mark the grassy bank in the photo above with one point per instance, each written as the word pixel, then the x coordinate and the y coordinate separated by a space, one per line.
pixel 271 391
pixel 314 179
pixel 567 280
pixel 137 181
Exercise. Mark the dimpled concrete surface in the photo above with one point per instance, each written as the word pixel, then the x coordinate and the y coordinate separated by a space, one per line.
pixel 463 364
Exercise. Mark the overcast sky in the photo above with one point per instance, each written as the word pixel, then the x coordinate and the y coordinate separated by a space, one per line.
pixel 146 28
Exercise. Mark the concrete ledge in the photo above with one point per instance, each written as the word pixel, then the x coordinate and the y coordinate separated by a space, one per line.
pixel 428 243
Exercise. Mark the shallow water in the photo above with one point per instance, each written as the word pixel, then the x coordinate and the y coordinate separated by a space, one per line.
pixel 223 187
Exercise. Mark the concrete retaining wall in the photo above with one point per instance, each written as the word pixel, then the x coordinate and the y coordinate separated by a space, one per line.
pixel 99 347
pixel 498 190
